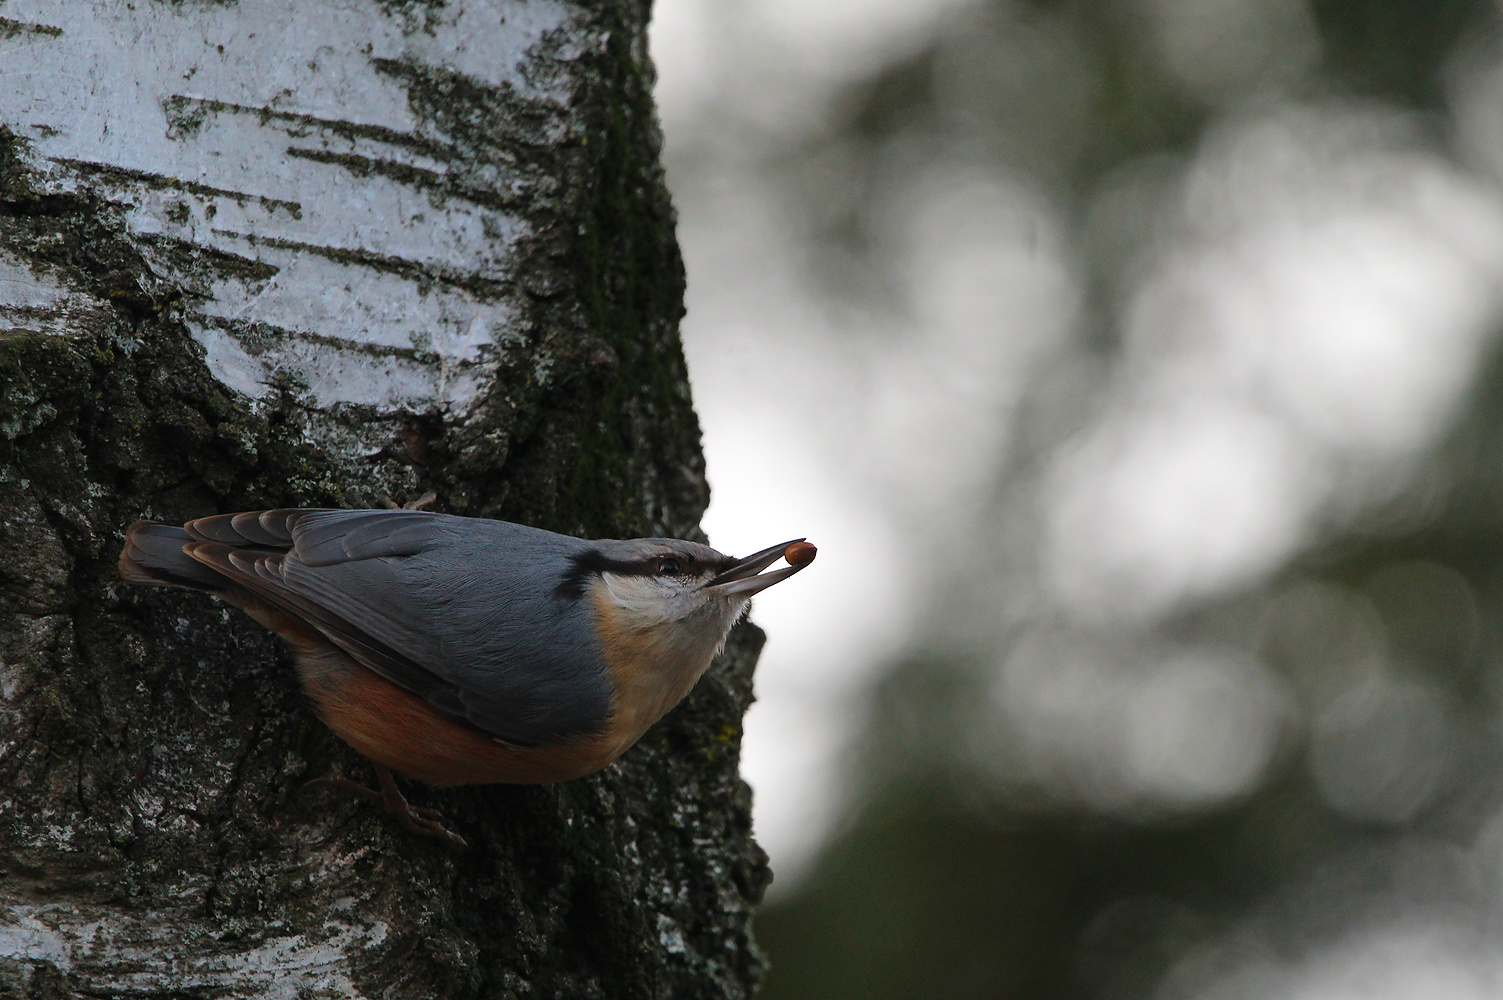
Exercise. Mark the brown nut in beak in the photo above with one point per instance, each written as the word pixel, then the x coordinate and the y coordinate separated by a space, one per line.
pixel 742 576
pixel 800 554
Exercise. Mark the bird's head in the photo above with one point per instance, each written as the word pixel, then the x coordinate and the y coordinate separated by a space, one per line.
pixel 652 583
pixel 674 597
pixel 662 609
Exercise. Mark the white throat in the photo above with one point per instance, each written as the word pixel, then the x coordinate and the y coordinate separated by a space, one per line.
pixel 677 614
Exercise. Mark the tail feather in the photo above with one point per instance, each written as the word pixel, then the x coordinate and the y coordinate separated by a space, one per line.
pixel 154 556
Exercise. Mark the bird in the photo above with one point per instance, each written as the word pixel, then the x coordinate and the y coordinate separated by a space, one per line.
pixel 464 650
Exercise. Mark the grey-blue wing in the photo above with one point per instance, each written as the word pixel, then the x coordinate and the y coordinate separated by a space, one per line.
pixel 464 612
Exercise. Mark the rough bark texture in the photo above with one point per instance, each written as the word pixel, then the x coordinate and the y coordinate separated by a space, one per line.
pixel 153 841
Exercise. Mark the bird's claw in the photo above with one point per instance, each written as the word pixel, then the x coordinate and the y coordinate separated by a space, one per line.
pixel 415 819
pixel 423 501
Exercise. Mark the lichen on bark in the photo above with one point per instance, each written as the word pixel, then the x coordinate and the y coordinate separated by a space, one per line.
pixel 153 841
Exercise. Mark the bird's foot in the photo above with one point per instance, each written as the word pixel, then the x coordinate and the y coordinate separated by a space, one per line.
pixel 415 819
pixel 423 501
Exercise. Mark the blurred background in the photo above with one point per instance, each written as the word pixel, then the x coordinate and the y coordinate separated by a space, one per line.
pixel 1134 364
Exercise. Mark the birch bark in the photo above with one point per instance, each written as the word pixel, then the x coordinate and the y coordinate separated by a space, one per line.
pixel 310 252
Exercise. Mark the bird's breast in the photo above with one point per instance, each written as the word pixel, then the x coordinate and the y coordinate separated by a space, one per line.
pixel 652 666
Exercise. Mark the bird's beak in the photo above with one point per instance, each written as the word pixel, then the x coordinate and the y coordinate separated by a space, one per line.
pixel 744 578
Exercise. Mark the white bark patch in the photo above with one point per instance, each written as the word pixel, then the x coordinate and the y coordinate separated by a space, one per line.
pixel 278 968
pixel 38 301
pixel 21 290
pixel 337 235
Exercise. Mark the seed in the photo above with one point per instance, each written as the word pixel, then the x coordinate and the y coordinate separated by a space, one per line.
pixel 800 554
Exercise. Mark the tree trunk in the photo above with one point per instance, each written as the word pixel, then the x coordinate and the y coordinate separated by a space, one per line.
pixel 309 253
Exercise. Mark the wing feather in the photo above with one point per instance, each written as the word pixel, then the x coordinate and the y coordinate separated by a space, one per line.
pixel 270 528
pixel 260 575
pixel 463 612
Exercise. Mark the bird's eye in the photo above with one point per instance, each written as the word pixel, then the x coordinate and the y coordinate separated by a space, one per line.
pixel 670 567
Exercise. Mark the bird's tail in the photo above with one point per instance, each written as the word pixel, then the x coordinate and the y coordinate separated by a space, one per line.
pixel 153 556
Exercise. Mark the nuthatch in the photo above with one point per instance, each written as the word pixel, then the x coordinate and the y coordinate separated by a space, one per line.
pixel 468 651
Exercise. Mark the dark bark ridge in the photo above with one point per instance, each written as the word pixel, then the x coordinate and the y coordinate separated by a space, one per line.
pixel 152 841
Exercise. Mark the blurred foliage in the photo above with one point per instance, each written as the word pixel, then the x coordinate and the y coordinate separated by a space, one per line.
pixel 939 889
pixel 1397 48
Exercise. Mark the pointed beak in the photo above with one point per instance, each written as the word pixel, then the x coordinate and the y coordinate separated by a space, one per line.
pixel 746 576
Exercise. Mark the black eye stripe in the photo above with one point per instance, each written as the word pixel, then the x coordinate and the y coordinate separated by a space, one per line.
pixel 595 562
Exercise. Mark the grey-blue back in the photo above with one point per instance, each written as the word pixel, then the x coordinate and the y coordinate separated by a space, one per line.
pixel 468 613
